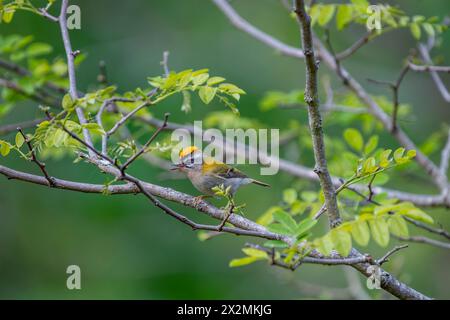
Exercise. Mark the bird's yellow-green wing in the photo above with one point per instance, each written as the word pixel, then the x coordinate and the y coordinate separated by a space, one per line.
pixel 222 170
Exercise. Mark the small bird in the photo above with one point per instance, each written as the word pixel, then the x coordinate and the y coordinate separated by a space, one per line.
pixel 207 173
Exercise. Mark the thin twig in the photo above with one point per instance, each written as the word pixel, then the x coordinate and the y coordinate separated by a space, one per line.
pixel 47 15
pixel 385 258
pixel 102 77
pixel 165 63
pixel 245 26
pixel 426 227
pixel 19 70
pixel 420 239
pixel 126 117
pixel 225 219
pixel 336 59
pixel 369 186
pixel 90 148
pixel 395 87
pixel 312 260
pixel 427 68
pixel 99 115
pixel 445 156
pixel 41 165
pixel 355 47
pixel 13 127
pixel 146 145
pixel 36 96
pixel 425 54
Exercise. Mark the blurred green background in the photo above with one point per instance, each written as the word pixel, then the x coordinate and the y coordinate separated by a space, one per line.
pixel 128 249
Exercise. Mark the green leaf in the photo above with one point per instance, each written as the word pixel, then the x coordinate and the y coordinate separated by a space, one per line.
pixel 342 242
pixel 417 214
pixel 198 72
pixel 19 139
pixel 67 103
pixel 384 158
pixel 5 148
pixel 200 79
pixel 38 49
pixel 398 226
pixel 343 16
pixel 411 154
pixel 275 244
pixel 354 139
pixel 267 218
pixel 304 226
pixel 207 94
pixel 94 128
pixel 297 207
pixel 369 166
pixel 398 156
pixel 252 252
pixel 231 88
pixel 324 245
pixel 58 138
pixel 242 261
pixel 415 30
pixel 214 80
pixel 362 3
pixel 289 196
pixel 380 231
pixel 285 220
pixel 279 228
pixel 8 15
pixel 309 196
pixel 360 232
pixel 428 29
pixel 184 78
pixel 326 14
pixel 371 145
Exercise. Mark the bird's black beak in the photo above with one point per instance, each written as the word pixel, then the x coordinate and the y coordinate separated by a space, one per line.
pixel 176 166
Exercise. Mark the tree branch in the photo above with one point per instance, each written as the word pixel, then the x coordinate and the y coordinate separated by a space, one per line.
pixel 427 68
pixel 426 227
pixel 420 239
pixel 445 156
pixel 385 258
pixel 425 54
pixel 245 26
pixel 70 56
pixel 439 179
pixel 38 97
pixel 315 119
pixel 388 282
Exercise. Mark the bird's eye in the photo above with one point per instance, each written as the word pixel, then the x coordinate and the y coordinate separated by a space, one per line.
pixel 192 160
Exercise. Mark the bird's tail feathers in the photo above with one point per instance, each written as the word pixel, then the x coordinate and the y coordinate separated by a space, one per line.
pixel 260 183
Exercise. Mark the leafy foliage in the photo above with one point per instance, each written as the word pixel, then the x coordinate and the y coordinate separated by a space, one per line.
pixel 391 17
pixel 197 81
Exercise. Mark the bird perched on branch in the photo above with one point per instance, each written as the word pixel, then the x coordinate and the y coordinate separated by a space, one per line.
pixel 207 173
